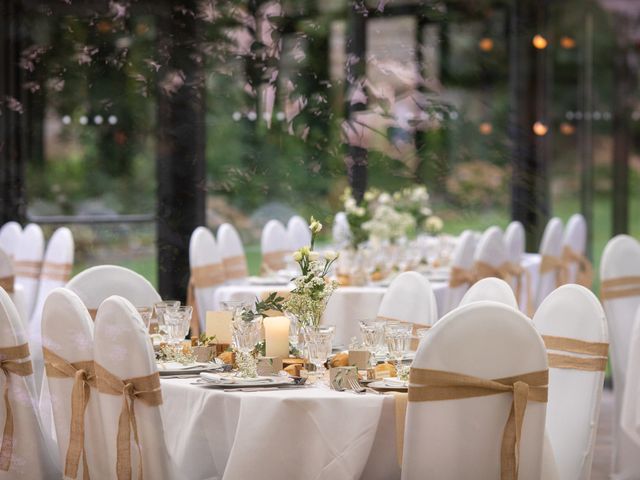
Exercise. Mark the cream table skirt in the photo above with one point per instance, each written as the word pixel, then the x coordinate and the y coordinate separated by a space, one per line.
pixel 308 433
pixel 348 305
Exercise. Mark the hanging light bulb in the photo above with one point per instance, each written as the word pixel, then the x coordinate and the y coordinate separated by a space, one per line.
pixel 540 129
pixel 567 129
pixel 485 44
pixel 539 42
pixel 567 42
pixel 485 128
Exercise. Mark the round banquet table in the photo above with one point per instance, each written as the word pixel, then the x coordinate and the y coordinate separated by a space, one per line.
pixel 307 433
pixel 348 305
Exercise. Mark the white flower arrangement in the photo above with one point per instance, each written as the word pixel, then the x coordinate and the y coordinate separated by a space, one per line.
pixel 312 288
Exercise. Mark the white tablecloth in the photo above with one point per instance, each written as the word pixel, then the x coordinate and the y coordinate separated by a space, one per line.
pixel 348 305
pixel 308 433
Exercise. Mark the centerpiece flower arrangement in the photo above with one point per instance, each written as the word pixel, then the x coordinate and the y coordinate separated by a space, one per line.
pixel 312 288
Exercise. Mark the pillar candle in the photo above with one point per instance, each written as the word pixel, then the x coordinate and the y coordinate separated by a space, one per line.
pixel 276 336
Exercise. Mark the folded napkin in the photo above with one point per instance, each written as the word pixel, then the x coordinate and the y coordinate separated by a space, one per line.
pixel 395 382
pixel 227 380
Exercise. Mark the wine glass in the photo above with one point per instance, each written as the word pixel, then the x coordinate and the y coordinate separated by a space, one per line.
pixel 318 341
pixel 245 334
pixel 146 314
pixel 236 307
pixel 160 308
pixel 372 337
pixel 398 339
pixel 177 323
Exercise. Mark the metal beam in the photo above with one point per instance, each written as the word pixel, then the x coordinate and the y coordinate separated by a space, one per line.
pixel 180 151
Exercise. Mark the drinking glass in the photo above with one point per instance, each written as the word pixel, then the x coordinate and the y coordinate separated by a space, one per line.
pixel 245 334
pixel 422 332
pixel 398 339
pixel 160 308
pixel 177 323
pixel 145 314
pixel 237 307
pixel 318 341
pixel 372 337
pixel 294 330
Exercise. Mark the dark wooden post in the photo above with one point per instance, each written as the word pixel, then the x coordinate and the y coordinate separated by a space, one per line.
pixel 13 117
pixel 529 196
pixel 622 98
pixel 356 159
pixel 181 149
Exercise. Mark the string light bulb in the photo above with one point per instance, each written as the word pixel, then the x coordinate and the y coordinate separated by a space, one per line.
pixel 539 42
pixel 485 44
pixel 485 128
pixel 540 129
pixel 567 42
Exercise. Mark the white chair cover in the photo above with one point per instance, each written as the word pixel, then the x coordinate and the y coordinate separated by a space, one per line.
pixel 572 311
pixel 207 271
pixel 550 245
pixel 515 240
pixel 95 284
pixel 7 272
pixel 28 262
pixel 123 348
pixel 409 299
pixel 56 271
pixel 274 245
pixel 30 457
pixel 10 234
pixel 298 232
pixel 232 253
pixel 461 438
pixel 67 330
pixel 630 405
pixel 462 258
pixel 492 289
pixel 340 230
pixel 621 258
pixel 575 236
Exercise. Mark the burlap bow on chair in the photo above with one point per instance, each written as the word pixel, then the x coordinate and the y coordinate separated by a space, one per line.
pixel 620 287
pixel 273 261
pixel 460 276
pixel 10 364
pixel 83 373
pixel 144 389
pixel 486 270
pixel 594 357
pixel 427 385
pixel 549 263
pixel 7 283
pixel 56 271
pixel 235 267
pixel 522 276
pixel 584 275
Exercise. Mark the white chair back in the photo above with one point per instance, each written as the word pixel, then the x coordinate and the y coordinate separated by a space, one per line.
pixel 207 272
pixel 96 284
pixel 298 233
pixel 67 331
pixel 572 312
pixel 122 348
pixel 491 248
pixel 28 263
pixel 550 246
pixel 462 261
pixel 491 289
pixel 274 245
pixel 15 290
pixel 575 237
pixel 10 234
pixel 56 271
pixel 621 260
pixel 630 406
pixel 485 340
pixel 409 299
pixel 30 457
pixel 232 253
pixel 340 230
pixel 515 238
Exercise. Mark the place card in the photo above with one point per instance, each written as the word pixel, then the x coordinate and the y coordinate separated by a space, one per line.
pixel 269 365
pixel 359 359
pixel 218 324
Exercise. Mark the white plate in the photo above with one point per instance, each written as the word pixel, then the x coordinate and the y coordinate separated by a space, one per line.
pixel 175 368
pixel 382 385
pixel 229 381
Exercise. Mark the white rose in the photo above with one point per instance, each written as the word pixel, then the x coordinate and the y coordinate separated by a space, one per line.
pixel 359 212
pixel 434 224
pixel 313 256
pixel 384 198
pixel 369 196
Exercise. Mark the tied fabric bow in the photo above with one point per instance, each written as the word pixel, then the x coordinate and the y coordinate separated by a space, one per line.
pixel 9 365
pixel 427 385
pixel 83 373
pixel 144 389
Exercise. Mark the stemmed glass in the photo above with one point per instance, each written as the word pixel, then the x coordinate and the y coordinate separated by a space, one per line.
pixel 246 334
pixel 318 341
pixel 294 330
pixel 145 314
pixel 398 339
pixel 160 309
pixel 177 323
pixel 372 337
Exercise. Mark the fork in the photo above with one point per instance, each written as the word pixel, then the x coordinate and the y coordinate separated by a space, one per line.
pixel 355 385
